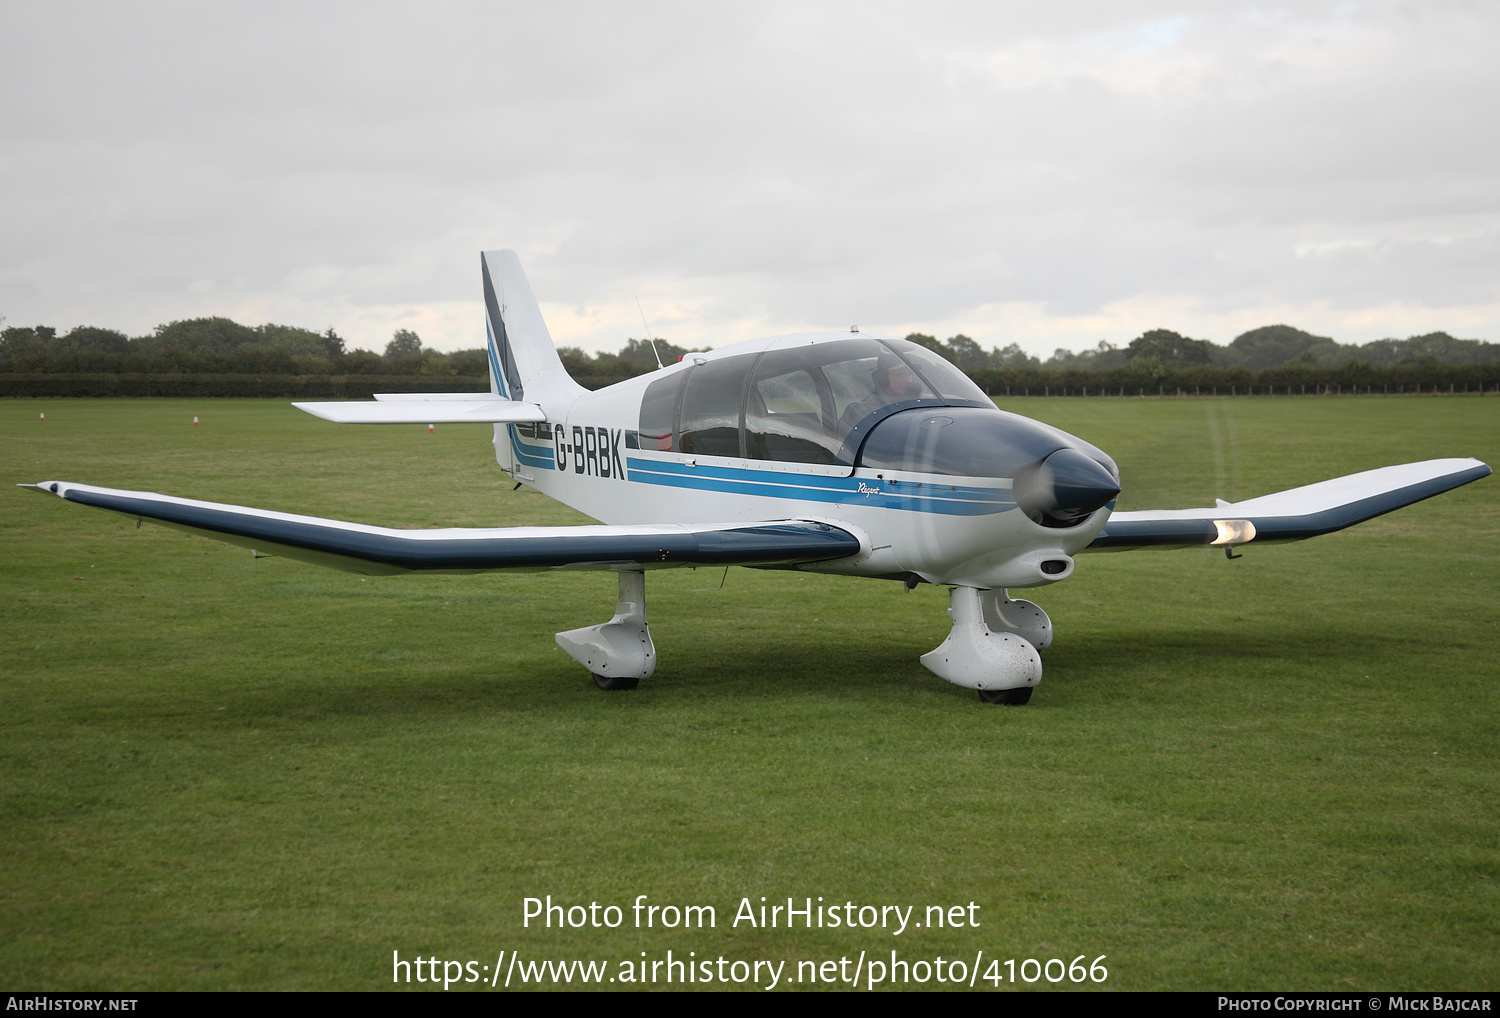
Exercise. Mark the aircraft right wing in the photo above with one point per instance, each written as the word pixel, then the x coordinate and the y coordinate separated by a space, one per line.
pixel 359 548
pixel 1290 515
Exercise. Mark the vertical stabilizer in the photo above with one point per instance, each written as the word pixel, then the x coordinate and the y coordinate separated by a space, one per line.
pixel 523 359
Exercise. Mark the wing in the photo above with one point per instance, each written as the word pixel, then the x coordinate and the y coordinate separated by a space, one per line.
pixel 1290 515
pixel 358 548
pixel 427 408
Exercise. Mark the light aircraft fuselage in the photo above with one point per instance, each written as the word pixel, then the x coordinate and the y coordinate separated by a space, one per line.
pixel 799 427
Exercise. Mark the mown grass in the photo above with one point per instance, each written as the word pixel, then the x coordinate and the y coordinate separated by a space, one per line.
pixel 1278 772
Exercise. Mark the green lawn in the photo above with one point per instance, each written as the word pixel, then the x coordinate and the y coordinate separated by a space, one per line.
pixel 1280 772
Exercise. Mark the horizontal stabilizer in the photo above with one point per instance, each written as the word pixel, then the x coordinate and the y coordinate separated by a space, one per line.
pixel 358 548
pixel 1290 515
pixel 447 409
pixel 420 397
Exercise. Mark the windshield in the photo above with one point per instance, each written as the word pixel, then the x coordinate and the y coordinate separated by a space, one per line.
pixel 803 402
pixel 939 372
pixel 798 404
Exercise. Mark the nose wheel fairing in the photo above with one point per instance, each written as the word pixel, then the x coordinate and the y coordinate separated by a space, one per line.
pixel 978 657
pixel 1023 618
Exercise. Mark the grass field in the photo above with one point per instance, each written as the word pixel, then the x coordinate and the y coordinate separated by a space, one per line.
pixel 1280 772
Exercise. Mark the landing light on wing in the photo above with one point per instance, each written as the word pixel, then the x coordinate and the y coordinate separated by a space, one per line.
pixel 1234 532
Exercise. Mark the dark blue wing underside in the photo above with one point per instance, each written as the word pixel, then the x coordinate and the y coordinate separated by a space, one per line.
pixel 764 544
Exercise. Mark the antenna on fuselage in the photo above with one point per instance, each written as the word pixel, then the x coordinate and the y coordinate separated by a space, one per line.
pixel 652 338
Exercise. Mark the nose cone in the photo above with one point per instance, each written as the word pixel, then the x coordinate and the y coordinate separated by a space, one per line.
pixel 1064 488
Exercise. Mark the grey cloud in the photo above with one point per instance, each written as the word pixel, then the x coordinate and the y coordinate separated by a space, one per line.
pixel 797 164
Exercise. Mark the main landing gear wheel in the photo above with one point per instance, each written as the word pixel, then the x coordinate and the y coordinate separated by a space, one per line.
pixel 1009 697
pixel 619 653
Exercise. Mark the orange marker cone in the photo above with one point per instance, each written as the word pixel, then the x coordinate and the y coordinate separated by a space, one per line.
pixel 429 429
pixel 195 420
pixel 43 417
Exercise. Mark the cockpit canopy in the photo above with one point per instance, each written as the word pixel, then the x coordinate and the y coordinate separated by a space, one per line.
pixel 800 404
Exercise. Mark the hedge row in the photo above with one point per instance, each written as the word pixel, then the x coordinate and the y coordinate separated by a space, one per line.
pixel 1286 380
pixel 204 385
pixel 1354 379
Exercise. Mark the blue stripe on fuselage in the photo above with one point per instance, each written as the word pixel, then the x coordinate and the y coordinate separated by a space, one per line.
pixel 529 454
pixel 942 499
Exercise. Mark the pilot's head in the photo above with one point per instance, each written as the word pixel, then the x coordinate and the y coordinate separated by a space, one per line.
pixel 895 378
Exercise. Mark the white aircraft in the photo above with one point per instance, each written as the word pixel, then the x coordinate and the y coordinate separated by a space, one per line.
pixel 829 452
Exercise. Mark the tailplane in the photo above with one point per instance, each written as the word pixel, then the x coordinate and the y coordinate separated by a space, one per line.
pixel 524 364
pixel 528 382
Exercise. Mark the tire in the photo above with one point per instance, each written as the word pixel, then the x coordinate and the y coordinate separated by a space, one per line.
pixel 1010 697
pixel 610 683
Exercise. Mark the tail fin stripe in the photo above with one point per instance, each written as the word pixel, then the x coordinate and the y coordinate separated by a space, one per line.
pixel 495 373
pixel 510 380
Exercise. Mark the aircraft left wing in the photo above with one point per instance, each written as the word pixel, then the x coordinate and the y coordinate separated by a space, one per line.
pixel 359 548
pixel 1290 515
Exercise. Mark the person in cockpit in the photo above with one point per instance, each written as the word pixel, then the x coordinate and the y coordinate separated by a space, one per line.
pixel 894 381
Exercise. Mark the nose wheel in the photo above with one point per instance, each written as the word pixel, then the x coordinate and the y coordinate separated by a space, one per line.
pixel 1009 697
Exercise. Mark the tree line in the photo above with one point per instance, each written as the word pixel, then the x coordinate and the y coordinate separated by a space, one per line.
pixel 218 356
pixel 1268 347
pixel 223 346
pixel 1273 358
pixel 1160 361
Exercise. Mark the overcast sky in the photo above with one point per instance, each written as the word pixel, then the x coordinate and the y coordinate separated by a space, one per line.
pixel 1044 174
